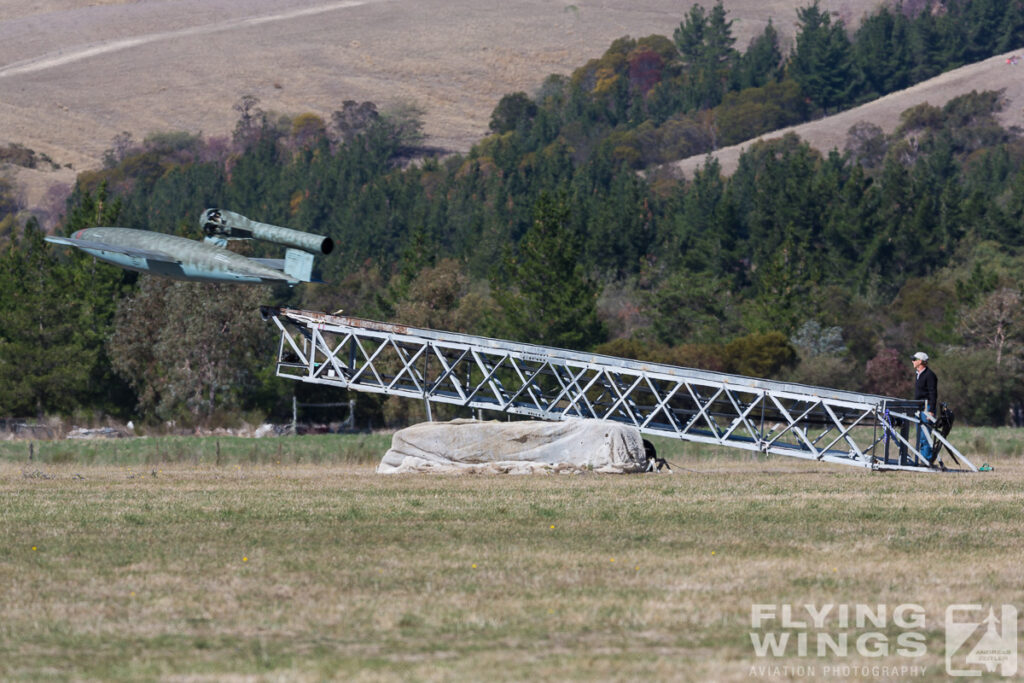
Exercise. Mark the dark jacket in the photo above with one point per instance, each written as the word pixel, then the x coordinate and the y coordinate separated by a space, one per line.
pixel 926 388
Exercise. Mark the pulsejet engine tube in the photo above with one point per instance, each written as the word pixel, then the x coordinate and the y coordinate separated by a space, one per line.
pixel 228 225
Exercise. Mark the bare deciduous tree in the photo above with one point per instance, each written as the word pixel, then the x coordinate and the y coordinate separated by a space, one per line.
pixel 866 144
pixel 187 348
pixel 251 119
pixel 353 119
pixel 119 148
pixel 996 323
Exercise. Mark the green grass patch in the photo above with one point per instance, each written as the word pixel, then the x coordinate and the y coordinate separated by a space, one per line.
pixel 207 450
pixel 125 564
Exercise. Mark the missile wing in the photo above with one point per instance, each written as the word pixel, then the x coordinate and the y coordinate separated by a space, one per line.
pixel 91 245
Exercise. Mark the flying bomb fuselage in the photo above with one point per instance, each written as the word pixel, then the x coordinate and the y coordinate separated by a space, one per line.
pixel 192 260
pixel 209 260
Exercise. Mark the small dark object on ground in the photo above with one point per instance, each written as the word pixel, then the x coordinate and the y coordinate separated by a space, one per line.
pixel 943 423
pixel 654 463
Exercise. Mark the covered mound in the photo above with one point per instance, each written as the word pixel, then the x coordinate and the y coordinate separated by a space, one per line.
pixel 515 447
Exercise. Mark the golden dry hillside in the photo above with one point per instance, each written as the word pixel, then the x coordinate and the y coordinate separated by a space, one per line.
pixel 75 73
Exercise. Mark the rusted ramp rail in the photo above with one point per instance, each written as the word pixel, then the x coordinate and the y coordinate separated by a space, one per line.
pixel 814 423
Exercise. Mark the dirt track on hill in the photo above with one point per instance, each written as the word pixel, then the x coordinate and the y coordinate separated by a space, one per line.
pixel 75 73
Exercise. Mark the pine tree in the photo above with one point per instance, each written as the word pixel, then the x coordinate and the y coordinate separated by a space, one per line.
pixel 705 44
pixel 882 53
pixel 1012 36
pixel 52 331
pixel 762 62
pixel 546 297
pixel 927 45
pixel 985 21
pixel 822 63
pixel 58 310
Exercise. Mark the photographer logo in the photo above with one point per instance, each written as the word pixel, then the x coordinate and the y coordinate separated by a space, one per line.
pixel 978 643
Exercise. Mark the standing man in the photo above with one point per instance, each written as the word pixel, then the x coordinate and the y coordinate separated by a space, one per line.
pixel 926 388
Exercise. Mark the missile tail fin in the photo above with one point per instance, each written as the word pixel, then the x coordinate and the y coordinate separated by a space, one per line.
pixel 298 264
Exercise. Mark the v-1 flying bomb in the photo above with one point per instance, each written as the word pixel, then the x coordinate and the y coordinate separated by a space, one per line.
pixel 207 261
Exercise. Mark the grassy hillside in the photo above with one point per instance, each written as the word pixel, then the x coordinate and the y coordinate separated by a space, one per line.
pixel 101 68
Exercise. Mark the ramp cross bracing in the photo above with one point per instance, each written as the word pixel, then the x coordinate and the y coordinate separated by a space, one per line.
pixel 813 423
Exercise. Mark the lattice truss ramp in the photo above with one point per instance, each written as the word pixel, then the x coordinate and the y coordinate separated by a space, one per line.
pixel 814 423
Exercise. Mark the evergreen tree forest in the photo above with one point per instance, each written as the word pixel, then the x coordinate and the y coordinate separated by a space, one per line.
pixel 563 227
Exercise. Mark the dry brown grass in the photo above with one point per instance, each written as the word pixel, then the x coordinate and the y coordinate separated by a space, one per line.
pixel 191 60
pixel 303 572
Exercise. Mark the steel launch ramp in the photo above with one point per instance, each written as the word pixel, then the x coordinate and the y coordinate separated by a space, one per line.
pixel 783 418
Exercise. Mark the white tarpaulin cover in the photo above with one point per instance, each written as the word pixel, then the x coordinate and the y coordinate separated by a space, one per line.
pixel 515 447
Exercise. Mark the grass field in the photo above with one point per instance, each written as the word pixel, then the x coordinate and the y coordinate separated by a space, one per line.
pixel 289 559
